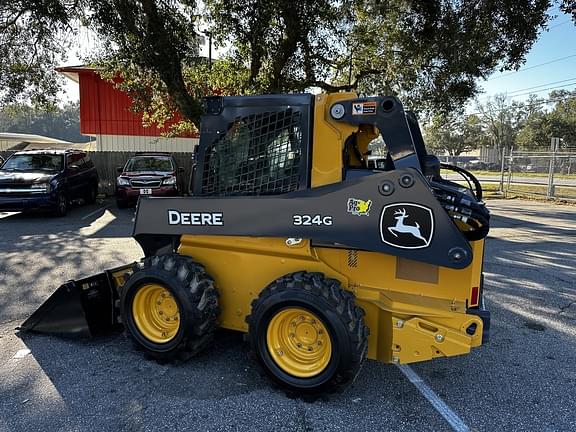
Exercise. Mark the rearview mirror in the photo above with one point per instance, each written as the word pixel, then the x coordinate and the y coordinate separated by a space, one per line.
pixel 119 170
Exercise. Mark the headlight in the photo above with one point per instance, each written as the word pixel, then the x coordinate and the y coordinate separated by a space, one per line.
pixel 40 187
pixel 169 181
pixel 122 181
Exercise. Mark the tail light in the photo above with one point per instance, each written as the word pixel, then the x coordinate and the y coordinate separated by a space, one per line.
pixel 474 296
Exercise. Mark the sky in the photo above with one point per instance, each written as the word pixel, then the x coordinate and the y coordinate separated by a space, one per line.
pixel 551 62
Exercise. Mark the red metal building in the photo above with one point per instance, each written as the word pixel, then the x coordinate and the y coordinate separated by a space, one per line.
pixel 105 114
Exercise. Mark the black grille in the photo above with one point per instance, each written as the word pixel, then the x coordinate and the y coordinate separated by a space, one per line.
pixel 260 154
pixel 145 183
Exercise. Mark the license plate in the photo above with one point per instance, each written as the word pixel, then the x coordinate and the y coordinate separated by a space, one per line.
pixel 145 191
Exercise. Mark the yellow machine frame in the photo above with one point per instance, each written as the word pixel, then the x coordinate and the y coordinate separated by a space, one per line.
pixel 414 311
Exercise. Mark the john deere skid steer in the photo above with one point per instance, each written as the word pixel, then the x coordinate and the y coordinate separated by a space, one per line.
pixel 290 238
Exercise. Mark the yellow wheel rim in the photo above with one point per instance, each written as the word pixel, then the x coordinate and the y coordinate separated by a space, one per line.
pixel 156 313
pixel 299 342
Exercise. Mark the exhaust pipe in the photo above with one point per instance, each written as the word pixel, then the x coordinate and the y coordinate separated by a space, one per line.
pixel 81 309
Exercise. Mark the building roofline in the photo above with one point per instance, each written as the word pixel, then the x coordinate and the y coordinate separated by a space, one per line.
pixel 31 138
pixel 72 72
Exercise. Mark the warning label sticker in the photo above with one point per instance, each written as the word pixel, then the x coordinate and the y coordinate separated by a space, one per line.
pixel 364 108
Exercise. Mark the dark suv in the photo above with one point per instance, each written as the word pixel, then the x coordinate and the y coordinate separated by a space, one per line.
pixel 150 174
pixel 47 180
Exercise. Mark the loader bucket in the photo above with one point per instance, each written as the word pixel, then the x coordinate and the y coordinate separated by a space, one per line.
pixel 81 309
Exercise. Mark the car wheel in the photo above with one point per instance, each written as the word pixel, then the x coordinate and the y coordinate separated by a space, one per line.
pixel 91 194
pixel 61 205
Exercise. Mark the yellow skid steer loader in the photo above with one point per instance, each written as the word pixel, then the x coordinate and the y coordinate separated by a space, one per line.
pixel 292 239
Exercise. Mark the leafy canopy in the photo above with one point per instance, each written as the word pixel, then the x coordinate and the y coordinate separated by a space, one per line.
pixel 429 52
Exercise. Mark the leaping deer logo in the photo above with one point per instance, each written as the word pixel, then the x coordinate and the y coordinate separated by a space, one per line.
pixel 400 227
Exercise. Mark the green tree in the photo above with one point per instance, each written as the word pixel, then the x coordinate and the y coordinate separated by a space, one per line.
pixel 454 133
pixel 541 125
pixel 430 52
pixel 563 117
pixel 502 120
pixel 34 39
pixel 62 123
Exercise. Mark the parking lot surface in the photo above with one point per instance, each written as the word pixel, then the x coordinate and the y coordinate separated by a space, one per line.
pixel 523 380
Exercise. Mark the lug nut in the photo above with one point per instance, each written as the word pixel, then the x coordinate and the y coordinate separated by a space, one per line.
pixel 439 338
pixel 399 323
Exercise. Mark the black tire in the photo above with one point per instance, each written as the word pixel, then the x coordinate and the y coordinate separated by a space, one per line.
pixel 337 312
pixel 61 205
pixel 91 194
pixel 195 295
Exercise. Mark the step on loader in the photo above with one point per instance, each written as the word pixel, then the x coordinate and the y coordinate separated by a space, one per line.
pixel 292 239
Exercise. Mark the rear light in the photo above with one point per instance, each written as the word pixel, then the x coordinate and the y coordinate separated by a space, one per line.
pixel 474 296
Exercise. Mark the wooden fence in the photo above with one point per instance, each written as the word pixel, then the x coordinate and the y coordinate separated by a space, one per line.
pixel 107 163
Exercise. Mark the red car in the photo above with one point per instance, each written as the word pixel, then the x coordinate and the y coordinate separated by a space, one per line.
pixel 149 174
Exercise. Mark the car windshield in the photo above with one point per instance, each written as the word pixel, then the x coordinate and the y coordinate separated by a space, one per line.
pixel 148 163
pixel 34 162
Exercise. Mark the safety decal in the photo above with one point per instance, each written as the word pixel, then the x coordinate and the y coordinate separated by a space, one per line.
pixel 364 108
pixel 359 207
pixel 176 217
pixel 407 225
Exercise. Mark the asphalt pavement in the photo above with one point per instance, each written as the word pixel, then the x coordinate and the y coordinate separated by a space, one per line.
pixel 523 380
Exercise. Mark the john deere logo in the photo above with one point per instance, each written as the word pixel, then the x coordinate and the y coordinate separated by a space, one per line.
pixel 407 226
pixel 359 207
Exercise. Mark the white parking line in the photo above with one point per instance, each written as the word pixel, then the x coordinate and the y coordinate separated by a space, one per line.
pixel 94 212
pixel 439 405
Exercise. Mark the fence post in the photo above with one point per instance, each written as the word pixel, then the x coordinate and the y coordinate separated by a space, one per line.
pixel 554 144
pixel 502 158
pixel 510 164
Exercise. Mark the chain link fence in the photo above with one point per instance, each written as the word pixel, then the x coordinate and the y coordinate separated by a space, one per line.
pixel 547 174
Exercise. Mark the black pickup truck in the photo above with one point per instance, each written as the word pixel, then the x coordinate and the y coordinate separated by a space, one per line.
pixel 47 180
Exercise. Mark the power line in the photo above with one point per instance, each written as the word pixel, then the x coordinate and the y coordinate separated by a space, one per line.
pixel 559 24
pixel 542 102
pixel 511 93
pixel 541 85
pixel 533 67
pixel 544 89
